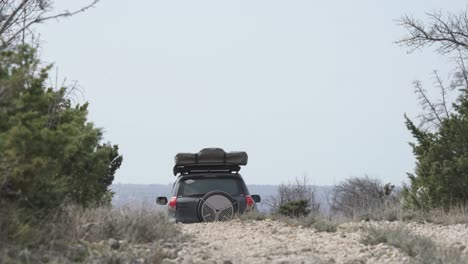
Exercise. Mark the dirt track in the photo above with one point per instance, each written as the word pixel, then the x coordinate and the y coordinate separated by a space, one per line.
pixel 275 242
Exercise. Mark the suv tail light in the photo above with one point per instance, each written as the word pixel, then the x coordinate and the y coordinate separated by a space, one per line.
pixel 250 202
pixel 172 203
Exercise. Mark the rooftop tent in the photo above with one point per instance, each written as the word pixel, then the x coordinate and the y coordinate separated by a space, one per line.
pixel 185 159
pixel 236 157
pixel 209 159
pixel 211 155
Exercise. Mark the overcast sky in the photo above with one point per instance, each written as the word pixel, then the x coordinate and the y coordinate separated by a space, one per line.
pixel 305 87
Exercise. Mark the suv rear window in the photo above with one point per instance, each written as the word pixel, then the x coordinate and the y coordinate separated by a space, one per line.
pixel 200 186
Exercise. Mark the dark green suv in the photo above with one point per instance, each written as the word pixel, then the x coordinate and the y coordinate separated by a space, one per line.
pixel 209 187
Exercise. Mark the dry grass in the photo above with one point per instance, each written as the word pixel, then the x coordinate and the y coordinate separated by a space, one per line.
pixel 456 215
pixel 101 235
pixel 420 249
pixel 395 212
pixel 253 215
pixel 388 212
pixel 319 223
pixel 133 226
pixel 315 221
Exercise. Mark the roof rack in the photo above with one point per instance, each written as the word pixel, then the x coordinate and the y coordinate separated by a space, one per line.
pixel 203 168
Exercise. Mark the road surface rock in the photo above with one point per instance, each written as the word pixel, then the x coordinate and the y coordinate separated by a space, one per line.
pixel 271 241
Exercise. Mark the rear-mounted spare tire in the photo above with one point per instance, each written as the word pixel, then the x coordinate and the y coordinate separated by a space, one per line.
pixel 216 206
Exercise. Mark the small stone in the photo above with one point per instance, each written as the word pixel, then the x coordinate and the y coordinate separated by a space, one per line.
pixel 169 245
pixel 282 261
pixel 227 262
pixel 114 244
pixel 172 253
pixel 138 261
pixel 169 261
pixel 356 261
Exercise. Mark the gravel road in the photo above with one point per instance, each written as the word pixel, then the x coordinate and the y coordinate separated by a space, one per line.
pixel 271 241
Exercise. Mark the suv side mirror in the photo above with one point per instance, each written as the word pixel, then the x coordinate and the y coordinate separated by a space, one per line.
pixel 256 198
pixel 162 200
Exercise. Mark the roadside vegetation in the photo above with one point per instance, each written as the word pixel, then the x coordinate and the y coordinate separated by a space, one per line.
pixel 438 188
pixel 55 167
pixel 99 235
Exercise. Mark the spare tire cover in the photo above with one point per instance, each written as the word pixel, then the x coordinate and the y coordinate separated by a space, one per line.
pixel 216 206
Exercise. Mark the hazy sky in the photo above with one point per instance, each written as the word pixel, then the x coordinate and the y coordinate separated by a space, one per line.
pixel 305 87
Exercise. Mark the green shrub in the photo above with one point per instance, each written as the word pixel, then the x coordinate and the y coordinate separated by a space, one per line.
pixel 294 208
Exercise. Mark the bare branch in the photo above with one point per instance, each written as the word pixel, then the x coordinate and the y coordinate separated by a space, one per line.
pixel 462 73
pixel 24 14
pixel 67 13
pixel 449 32
pixel 443 92
pixel 427 104
pixel 12 16
pixel 359 195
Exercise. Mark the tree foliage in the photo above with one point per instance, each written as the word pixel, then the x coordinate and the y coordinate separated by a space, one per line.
pixel 49 153
pixel 295 208
pixel 441 148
